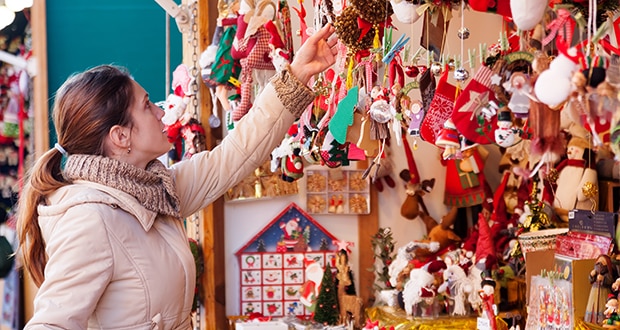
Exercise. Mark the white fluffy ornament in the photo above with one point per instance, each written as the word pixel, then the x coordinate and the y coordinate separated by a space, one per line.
pixel 405 11
pixel 527 13
pixel 553 86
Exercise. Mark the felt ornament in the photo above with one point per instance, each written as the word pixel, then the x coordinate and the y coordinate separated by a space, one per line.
pixel 415 111
pixel 251 47
pixel 405 11
pixel 343 118
pixel 526 14
pixel 500 7
pixel 468 114
pixel 427 89
pixel 439 110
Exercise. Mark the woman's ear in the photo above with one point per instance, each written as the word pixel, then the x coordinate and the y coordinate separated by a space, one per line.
pixel 119 137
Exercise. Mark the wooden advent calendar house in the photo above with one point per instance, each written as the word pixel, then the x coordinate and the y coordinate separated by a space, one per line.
pixel 272 264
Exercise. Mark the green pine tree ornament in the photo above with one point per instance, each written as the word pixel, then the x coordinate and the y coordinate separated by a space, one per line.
pixel 326 311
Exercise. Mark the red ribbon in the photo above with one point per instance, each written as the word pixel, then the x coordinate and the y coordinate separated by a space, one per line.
pixel 607 45
pixel 562 26
pixel 365 26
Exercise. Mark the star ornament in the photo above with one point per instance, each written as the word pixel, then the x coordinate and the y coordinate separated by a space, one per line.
pixel 496 79
pixel 343 245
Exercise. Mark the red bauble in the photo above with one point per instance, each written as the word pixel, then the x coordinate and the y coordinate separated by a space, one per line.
pixel 412 71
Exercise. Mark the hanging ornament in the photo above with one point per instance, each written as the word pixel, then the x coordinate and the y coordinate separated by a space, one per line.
pixel 463 33
pixel 380 111
pixel 436 69
pixel 451 64
pixel 412 71
pixel 461 74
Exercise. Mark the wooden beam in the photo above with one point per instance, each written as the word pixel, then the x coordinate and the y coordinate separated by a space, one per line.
pixel 367 226
pixel 213 281
pixel 39 50
pixel 40 133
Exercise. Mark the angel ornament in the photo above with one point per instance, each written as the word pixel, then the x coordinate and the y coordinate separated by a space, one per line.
pixel 520 87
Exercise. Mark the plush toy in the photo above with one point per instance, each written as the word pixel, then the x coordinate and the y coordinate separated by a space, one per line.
pixel 440 234
pixel 418 287
pixel 461 287
pixel 251 47
pixel 577 181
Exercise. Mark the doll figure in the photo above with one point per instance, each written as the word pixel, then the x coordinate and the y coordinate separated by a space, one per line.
pixel 601 279
pixel 416 114
pixel 575 173
pixel 488 301
pixel 612 319
pixel 520 88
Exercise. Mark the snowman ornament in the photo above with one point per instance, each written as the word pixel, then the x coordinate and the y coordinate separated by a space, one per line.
pixel 506 134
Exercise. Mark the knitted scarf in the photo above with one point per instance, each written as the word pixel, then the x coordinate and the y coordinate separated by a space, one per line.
pixel 153 187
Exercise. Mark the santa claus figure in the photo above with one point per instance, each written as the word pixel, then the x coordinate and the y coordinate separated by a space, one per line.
pixel 309 291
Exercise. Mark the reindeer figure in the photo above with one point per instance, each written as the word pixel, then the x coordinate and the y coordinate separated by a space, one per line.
pixel 413 207
pixel 351 306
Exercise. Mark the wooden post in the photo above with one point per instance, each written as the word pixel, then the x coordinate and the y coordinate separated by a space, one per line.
pixel 39 51
pixel 213 283
pixel 367 226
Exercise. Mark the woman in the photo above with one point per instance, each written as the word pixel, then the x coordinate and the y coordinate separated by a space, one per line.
pixel 100 217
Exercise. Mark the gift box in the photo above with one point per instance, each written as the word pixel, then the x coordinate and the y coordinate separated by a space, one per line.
pixel 576 273
pixel 549 305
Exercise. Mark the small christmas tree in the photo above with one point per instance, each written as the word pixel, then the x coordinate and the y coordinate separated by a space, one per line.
pixel 261 246
pixel 327 303
pixel 324 245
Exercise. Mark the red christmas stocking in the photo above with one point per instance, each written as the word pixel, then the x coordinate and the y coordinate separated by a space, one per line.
pixel 468 116
pixel 500 7
pixel 439 110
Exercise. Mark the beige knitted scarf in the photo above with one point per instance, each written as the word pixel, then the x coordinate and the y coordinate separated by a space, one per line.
pixel 153 187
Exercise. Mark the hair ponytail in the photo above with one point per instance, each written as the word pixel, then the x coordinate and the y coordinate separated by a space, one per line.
pixel 44 178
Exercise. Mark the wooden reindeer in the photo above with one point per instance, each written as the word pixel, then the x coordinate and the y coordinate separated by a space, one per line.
pixel 351 306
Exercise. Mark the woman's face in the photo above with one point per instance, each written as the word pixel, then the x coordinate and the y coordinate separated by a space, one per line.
pixel 148 138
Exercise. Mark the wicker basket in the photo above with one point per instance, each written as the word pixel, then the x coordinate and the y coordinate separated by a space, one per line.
pixel 540 240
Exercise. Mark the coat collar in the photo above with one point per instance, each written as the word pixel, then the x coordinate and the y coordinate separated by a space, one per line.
pixel 81 192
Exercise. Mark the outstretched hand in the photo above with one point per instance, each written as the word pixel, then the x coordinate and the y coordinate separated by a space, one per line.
pixel 316 54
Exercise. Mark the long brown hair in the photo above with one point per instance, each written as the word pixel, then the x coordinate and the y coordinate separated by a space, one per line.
pixel 86 106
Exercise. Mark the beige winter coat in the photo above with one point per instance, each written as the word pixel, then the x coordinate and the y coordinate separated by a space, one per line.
pixel 114 264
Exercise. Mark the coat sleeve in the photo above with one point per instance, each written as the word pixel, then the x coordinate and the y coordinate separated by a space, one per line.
pixel 207 175
pixel 79 267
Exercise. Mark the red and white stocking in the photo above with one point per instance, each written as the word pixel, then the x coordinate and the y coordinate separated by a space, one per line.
pixel 471 109
pixel 439 110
